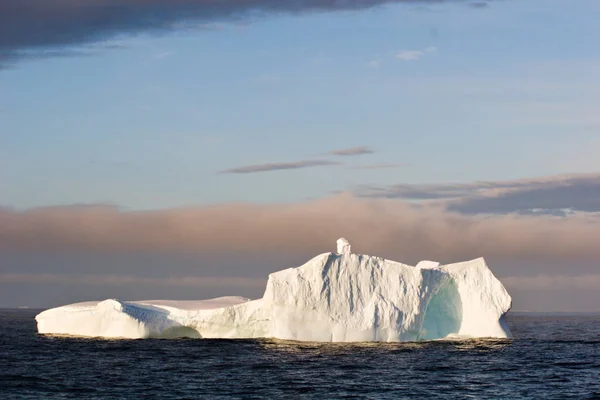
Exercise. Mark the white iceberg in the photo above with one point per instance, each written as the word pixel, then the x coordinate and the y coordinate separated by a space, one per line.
pixel 335 297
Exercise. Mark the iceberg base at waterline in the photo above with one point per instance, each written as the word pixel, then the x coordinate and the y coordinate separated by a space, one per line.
pixel 335 297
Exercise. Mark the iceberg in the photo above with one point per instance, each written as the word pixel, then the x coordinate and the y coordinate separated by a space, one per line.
pixel 335 297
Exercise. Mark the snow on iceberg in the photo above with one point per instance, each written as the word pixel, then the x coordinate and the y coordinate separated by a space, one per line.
pixel 335 297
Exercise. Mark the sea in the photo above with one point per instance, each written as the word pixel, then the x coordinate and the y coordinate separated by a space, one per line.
pixel 553 356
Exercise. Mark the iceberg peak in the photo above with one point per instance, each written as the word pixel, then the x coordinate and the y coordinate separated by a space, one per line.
pixel 343 247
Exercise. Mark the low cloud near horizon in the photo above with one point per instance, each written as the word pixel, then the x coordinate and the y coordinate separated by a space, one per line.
pixel 61 254
pixel 383 227
pixel 125 280
pixel 32 29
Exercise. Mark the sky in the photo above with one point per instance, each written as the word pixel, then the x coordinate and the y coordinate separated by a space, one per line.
pixel 186 149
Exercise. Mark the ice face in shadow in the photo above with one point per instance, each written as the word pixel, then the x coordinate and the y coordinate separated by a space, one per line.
pixel 443 314
pixel 338 297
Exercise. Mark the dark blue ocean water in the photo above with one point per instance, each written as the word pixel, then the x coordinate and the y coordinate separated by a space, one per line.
pixel 552 357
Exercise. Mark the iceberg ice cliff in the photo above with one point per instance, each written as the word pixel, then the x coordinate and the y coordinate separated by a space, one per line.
pixel 335 297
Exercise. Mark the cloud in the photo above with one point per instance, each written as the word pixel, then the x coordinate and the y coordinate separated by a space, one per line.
pixel 31 25
pixel 409 55
pixel 388 228
pixel 554 195
pixel 415 192
pixel 479 4
pixel 164 54
pixel 251 169
pixel 553 282
pixel 377 166
pixel 8 59
pixel 558 197
pixel 124 280
pixel 352 151
pixel 413 55
pixel 375 63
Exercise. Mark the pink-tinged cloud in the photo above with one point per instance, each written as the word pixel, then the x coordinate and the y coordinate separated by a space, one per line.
pixel 384 227
pixel 120 280
pixel 553 282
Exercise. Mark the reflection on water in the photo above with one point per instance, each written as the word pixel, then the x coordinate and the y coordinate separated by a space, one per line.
pixel 296 347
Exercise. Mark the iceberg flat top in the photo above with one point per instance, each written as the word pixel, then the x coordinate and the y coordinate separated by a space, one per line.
pixel 219 302
pixel 210 304
pixel 333 297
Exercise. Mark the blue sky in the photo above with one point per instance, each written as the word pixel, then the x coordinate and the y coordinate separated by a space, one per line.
pixel 472 127
pixel 500 92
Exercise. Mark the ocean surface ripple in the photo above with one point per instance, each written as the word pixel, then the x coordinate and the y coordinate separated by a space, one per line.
pixel 552 357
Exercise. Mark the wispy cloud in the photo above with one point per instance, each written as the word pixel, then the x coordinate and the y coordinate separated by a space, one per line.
pixel 376 63
pixel 278 166
pixel 413 55
pixel 478 4
pixel 417 191
pixel 31 25
pixel 164 54
pixel 377 166
pixel 9 58
pixel 352 151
